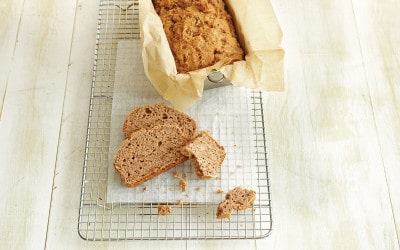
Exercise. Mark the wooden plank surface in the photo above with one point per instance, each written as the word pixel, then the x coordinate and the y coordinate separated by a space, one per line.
pixel 333 135
pixel 69 166
pixel 378 27
pixel 10 13
pixel 329 189
pixel 71 148
pixel 31 117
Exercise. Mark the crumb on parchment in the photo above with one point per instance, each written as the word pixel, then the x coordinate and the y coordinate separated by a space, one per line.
pixel 183 185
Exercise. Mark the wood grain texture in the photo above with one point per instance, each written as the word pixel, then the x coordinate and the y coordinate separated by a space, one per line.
pixel 31 117
pixel 71 148
pixel 378 27
pixel 328 185
pixel 10 14
pixel 333 135
pixel 69 165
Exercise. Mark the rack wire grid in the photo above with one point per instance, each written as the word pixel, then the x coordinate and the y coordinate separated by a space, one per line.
pixel 99 220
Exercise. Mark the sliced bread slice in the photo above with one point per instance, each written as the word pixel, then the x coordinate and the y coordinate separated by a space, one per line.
pixel 238 198
pixel 148 153
pixel 206 155
pixel 148 116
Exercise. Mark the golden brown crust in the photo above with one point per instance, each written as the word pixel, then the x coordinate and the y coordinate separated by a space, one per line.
pixel 200 33
pixel 148 116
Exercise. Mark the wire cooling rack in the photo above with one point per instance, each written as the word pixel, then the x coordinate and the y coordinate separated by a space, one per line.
pixel 139 220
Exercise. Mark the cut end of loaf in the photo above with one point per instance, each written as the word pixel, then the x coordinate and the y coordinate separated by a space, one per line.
pixel 206 155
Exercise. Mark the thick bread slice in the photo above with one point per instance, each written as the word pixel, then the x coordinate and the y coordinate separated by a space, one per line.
pixel 205 154
pixel 148 116
pixel 238 198
pixel 148 153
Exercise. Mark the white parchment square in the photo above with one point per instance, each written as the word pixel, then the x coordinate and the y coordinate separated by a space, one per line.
pixel 226 112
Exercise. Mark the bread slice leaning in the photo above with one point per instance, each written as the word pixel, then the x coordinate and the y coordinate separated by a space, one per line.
pixel 148 116
pixel 148 153
pixel 238 198
pixel 206 155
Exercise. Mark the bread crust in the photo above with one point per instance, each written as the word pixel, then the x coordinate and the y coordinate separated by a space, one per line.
pixel 148 153
pixel 148 116
pixel 200 33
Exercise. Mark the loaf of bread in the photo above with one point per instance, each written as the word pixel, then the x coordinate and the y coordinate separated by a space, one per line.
pixel 148 116
pixel 200 33
pixel 206 155
pixel 238 198
pixel 148 153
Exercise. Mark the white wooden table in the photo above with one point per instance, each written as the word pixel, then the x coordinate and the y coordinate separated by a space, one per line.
pixel 333 135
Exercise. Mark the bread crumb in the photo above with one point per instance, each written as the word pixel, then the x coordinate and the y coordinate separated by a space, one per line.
pixel 171 189
pixel 218 178
pixel 183 185
pixel 176 174
pixel 254 209
pixel 198 189
pixel 218 191
pixel 164 210
pixel 184 175
pixel 180 202
pixel 144 189
pixel 238 198
pixel 187 195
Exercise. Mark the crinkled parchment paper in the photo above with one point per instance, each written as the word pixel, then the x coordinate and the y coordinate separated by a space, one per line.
pixel 259 33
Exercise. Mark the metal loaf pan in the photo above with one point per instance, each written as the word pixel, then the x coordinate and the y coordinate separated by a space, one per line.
pixel 215 80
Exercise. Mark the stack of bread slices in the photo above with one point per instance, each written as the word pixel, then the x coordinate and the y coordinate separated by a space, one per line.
pixel 158 138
